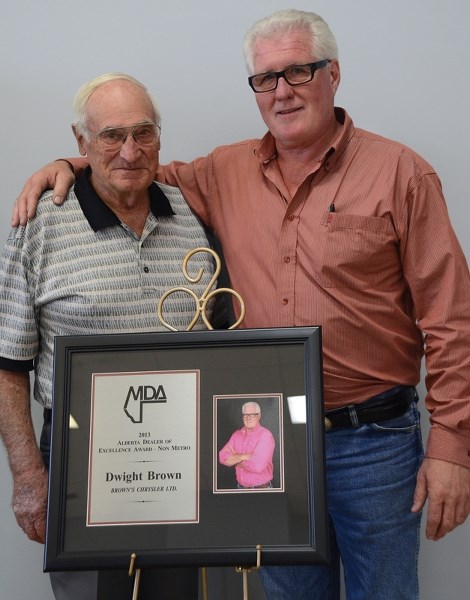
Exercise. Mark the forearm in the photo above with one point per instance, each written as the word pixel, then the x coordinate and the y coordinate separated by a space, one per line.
pixel 446 444
pixel 16 426
pixel 236 459
pixel 436 272
pixel 58 175
pixel 229 455
pixel 79 164
pixel 29 500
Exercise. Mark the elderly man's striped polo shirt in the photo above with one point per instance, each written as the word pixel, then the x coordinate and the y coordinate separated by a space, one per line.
pixel 77 269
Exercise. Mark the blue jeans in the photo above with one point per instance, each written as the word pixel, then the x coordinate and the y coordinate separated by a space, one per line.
pixel 371 473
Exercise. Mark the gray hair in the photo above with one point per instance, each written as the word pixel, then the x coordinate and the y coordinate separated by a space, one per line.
pixel 282 21
pixel 86 90
pixel 258 407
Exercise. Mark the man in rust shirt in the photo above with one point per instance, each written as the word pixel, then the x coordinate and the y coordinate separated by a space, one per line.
pixel 325 224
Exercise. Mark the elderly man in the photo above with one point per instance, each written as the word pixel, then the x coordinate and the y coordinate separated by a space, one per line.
pixel 99 266
pixel 326 224
pixel 250 450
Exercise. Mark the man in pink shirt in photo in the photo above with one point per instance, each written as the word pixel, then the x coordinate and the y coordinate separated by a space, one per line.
pixel 250 450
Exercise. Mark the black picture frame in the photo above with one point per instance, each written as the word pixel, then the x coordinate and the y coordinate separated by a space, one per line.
pixel 285 363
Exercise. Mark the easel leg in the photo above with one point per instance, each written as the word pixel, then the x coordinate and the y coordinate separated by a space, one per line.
pixel 245 570
pixel 135 593
pixel 245 585
pixel 136 573
pixel 204 583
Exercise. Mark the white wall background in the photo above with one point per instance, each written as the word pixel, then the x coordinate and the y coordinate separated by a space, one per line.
pixel 405 75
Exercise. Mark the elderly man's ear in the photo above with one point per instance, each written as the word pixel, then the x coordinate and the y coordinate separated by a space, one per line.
pixel 80 140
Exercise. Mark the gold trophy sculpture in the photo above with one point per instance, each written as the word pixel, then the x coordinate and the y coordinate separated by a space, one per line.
pixel 201 303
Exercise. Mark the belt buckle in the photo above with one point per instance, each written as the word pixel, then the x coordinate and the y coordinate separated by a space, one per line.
pixel 328 424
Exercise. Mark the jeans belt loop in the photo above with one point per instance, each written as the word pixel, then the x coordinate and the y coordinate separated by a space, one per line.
pixel 353 416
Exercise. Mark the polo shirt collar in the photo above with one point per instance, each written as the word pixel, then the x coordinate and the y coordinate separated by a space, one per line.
pixel 100 216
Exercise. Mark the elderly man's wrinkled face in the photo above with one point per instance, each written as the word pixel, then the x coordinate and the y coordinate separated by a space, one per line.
pixel 128 167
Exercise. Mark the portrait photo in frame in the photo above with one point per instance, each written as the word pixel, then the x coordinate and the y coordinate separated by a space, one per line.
pixel 267 450
pixel 175 378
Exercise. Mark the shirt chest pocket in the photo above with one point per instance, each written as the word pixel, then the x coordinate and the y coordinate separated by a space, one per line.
pixel 358 252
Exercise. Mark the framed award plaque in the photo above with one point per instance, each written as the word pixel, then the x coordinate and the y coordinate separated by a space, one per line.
pixel 142 425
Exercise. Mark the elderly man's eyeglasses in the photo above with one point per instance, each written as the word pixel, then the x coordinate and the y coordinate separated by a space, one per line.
pixel 250 415
pixel 112 138
pixel 294 75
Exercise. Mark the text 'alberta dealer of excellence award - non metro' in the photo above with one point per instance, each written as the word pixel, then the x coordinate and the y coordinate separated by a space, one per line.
pixel 144 448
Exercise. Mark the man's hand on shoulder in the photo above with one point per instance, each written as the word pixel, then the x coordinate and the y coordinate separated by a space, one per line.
pixel 446 486
pixel 57 175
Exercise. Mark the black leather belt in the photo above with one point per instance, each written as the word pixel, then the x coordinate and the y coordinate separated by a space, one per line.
pixel 378 408
pixel 257 487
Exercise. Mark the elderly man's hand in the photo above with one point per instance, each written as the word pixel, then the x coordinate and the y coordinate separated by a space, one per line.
pixel 447 488
pixel 30 503
pixel 57 175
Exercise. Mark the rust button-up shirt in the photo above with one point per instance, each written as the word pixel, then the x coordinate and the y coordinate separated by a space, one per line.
pixel 365 249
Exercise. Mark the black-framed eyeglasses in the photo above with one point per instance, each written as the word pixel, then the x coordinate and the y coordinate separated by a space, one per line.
pixel 111 138
pixel 250 415
pixel 293 74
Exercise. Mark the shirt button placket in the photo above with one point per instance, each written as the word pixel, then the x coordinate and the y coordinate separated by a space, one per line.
pixel 288 244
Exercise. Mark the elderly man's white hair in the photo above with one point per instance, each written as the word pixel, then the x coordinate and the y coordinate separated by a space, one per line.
pixel 86 90
pixel 258 407
pixel 323 41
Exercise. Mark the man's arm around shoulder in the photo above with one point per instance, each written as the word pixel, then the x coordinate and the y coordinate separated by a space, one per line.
pixel 58 175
